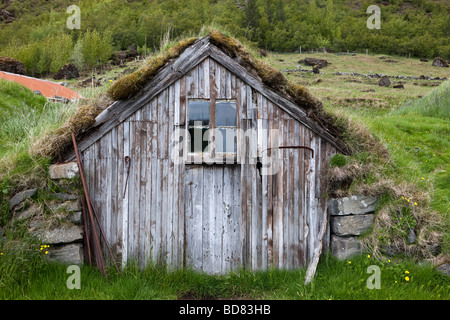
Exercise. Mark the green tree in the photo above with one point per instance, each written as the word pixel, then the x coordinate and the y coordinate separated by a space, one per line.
pixel 96 48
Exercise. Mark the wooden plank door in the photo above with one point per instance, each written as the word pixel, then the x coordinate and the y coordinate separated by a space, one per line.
pixel 212 218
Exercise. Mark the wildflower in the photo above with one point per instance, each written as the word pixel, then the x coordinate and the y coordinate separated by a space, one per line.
pixel 395 281
pixel 368 256
pixel 389 260
pixel 407 278
pixel 406 271
pixel 415 203
pixel 46 252
pixel 423 178
pixel 349 262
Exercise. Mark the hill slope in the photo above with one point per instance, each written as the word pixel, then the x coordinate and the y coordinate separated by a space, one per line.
pixel 417 27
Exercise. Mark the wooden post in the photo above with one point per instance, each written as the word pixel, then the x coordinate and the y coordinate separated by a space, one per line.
pixel 317 251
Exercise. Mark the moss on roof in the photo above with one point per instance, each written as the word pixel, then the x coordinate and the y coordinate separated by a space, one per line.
pixel 131 84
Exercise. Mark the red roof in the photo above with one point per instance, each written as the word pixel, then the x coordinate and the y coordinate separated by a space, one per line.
pixel 48 89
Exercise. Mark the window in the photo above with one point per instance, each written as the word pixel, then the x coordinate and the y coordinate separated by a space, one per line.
pixel 225 127
pixel 212 135
pixel 198 126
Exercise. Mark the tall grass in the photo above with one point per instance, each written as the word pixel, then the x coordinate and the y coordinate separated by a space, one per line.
pixel 436 104
pixel 334 280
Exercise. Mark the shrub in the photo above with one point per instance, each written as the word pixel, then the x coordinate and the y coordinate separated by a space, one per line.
pixel 338 160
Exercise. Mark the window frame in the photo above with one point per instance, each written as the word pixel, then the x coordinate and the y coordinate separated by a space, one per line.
pixel 211 156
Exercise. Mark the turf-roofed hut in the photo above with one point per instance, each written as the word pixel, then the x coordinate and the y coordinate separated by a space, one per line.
pixel 210 159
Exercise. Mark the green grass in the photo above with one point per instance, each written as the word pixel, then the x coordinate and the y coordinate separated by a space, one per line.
pixel 335 280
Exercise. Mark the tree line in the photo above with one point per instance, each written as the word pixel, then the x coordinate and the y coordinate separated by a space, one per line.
pixel 40 39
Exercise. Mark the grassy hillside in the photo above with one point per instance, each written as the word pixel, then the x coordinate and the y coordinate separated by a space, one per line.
pixel 17 103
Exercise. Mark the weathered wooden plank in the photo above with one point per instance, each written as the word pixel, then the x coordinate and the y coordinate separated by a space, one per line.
pixel 236 219
pixel 165 231
pixel 228 89
pixel 170 199
pixel 212 108
pixel 206 77
pixel 177 99
pixel 223 82
pixel 154 226
pixel 244 198
pixel 125 192
pixel 302 208
pixel 197 221
pixel 134 182
pixel 291 195
pixel 227 218
pixel 270 175
pixel 183 99
pixel 249 95
pixel 264 196
pixel 143 199
pixel 275 194
pixel 307 184
pixel 217 214
pixel 233 85
pixel 201 81
pixel 286 189
pixel 296 167
pixel 208 219
pixel 148 188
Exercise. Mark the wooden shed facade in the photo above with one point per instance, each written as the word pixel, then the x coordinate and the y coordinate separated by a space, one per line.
pixel 218 217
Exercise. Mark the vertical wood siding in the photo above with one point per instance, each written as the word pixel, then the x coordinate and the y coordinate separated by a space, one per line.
pixel 213 218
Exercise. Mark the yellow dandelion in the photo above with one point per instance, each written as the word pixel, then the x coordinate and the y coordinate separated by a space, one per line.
pixel 349 262
pixel 406 271
pixel 368 256
pixel 423 178
pixel 46 252
pixel 389 260
pixel 395 281
pixel 415 203
pixel 42 248
pixel 407 278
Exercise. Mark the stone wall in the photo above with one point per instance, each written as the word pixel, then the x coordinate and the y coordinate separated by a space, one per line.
pixel 350 217
pixel 55 218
